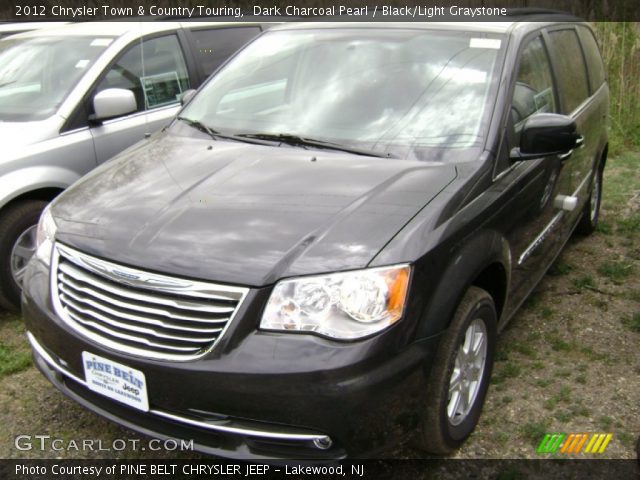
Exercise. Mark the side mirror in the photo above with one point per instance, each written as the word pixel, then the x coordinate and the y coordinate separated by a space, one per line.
pixel 113 102
pixel 545 135
pixel 187 96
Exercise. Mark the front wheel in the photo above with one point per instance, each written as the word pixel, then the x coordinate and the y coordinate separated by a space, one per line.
pixel 18 225
pixel 459 378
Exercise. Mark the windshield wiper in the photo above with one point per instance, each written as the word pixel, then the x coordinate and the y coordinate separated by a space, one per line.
pixel 201 126
pixel 296 140
pixel 217 135
pixel 286 138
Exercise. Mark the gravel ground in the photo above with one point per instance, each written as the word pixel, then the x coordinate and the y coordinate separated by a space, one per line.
pixel 568 362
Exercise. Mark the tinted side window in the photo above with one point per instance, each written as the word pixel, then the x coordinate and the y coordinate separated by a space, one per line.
pixel 594 59
pixel 571 70
pixel 214 46
pixel 154 71
pixel 534 90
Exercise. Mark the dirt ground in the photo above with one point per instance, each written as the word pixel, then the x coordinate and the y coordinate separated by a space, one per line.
pixel 568 362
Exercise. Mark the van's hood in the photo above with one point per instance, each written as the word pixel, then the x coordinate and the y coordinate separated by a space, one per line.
pixel 243 214
pixel 16 135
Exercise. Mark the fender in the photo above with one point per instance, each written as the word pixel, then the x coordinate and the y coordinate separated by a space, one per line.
pixel 466 268
pixel 26 180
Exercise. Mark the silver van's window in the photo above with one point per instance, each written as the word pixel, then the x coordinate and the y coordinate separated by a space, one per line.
pixel 37 73
pixel 154 70
pixel 381 90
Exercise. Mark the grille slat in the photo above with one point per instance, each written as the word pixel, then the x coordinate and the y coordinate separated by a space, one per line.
pixel 114 307
pixel 151 282
pixel 113 321
pixel 76 273
pixel 145 314
pixel 130 338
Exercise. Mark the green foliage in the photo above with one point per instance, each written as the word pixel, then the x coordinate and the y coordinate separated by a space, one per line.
pixel 583 282
pixel 559 345
pixel 524 349
pixel 13 360
pixel 616 271
pixel 508 370
pixel 544 382
pixel 626 438
pixel 632 322
pixel 605 422
pixel 560 267
pixel 534 431
pixel 630 225
pixel 620 44
pixel 604 227
pixel 581 379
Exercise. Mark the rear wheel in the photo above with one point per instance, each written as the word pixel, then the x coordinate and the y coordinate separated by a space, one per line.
pixel 591 213
pixel 459 378
pixel 18 225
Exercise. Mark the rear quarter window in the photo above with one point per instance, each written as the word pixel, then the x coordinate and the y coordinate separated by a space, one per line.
pixel 593 57
pixel 570 69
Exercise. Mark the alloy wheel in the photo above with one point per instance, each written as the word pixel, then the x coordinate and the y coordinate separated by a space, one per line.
pixel 468 371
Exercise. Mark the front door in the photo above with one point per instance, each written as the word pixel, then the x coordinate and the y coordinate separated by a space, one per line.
pixel 541 185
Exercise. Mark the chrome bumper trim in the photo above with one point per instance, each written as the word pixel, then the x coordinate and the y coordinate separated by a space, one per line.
pixel 317 439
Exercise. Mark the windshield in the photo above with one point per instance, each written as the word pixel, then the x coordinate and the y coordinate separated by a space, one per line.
pixel 36 74
pixel 389 91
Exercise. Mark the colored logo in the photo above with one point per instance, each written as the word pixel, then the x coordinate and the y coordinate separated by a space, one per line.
pixel 574 443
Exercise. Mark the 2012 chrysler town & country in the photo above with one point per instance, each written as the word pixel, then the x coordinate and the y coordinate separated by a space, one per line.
pixel 314 259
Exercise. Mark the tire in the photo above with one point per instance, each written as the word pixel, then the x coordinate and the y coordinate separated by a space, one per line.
pixel 17 223
pixel 591 213
pixel 441 432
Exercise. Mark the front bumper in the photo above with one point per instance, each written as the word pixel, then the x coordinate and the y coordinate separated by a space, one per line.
pixel 260 395
pixel 76 388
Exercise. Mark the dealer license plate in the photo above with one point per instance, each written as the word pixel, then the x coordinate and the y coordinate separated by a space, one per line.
pixel 115 380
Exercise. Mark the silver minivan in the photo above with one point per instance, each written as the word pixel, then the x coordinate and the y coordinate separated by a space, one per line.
pixel 13 28
pixel 71 97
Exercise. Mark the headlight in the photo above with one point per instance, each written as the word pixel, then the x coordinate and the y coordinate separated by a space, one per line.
pixel 341 305
pixel 45 235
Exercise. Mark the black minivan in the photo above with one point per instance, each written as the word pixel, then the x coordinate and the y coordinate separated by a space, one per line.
pixel 314 259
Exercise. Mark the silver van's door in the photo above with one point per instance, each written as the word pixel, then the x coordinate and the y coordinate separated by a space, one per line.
pixel 113 136
pixel 154 70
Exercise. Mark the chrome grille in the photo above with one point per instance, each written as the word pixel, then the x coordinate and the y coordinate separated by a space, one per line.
pixel 138 312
